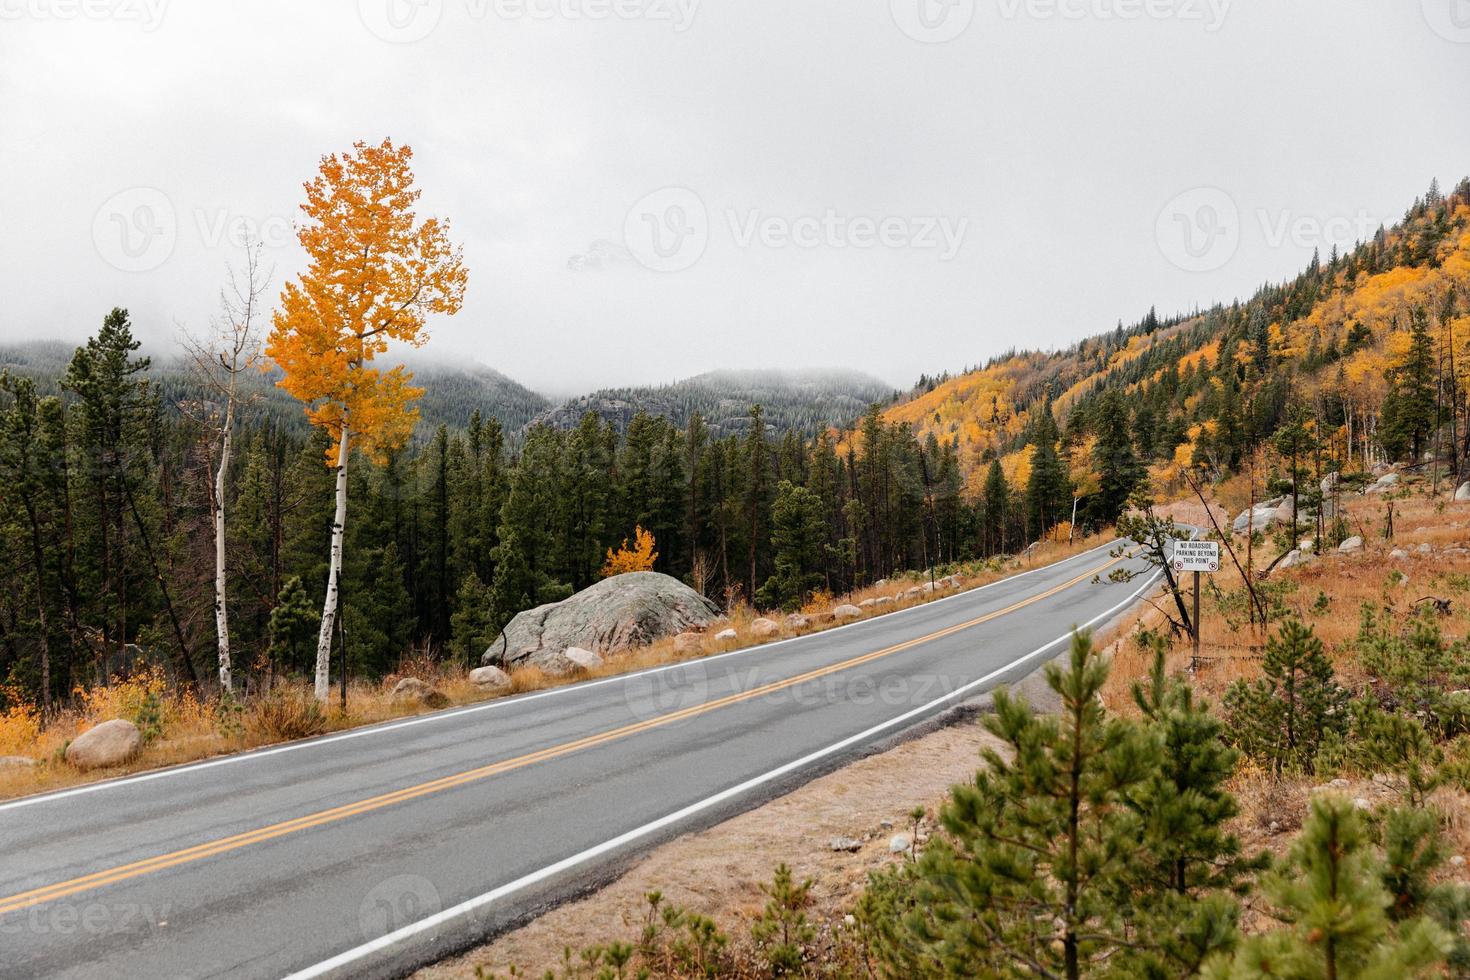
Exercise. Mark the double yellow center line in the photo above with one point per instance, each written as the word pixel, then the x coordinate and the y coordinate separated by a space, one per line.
pixel 224 845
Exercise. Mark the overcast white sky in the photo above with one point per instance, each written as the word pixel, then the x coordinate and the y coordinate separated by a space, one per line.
pixel 647 189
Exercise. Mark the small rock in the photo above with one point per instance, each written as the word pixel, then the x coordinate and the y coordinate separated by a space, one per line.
pixel 1425 547
pixel 848 844
pixel 581 659
pixel 846 611
pixel 726 634
pixel 491 677
pixel 899 844
pixel 867 603
pixel 850 920
pixel 688 643
pixel 16 762
pixel 886 824
pixel 763 628
pixel 1398 553
pixel 1362 804
pixel 913 593
pixel 796 621
pixel 1307 545
pixel 1458 860
pixel 883 600
pixel 413 689
pixel 1462 493
pixel 1273 827
pixel 108 744
pixel 1352 544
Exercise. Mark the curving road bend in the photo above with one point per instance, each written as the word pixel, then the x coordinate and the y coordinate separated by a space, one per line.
pixel 370 852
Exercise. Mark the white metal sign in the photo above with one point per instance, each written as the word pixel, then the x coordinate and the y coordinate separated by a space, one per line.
pixel 1196 556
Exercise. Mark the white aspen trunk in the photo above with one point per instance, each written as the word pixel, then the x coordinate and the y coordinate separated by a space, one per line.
pixel 221 612
pixel 334 574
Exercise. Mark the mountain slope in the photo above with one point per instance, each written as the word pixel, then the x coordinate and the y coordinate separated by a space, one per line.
pixel 1204 388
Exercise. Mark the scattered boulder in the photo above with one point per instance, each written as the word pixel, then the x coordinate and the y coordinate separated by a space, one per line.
pixel 726 634
pixel 1354 543
pixel 108 744
pixel 1330 481
pixel 847 844
pixel 576 658
pixel 846 611
pixel 883 600
pixel 1293 558
pixel 688 643
pixel 1259 519
pixel 1307 545
pixel 617 613
pixel 913 593
pixel 899 843
pixel 1462 493
pixel 1398 553
pixel 1424 547
pixel 796 621
pixel 411 689
pixel 764 629
pixel 867 603
pixel 490 677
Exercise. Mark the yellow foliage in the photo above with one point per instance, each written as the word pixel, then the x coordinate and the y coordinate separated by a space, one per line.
pixel 20 726
pixel 374 273
pixel 639 558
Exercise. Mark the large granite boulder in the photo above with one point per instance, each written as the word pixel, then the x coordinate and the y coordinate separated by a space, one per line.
pixel 617 613
pixel 109 744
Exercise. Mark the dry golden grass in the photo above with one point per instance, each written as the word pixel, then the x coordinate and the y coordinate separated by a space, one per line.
pixel 1327 593
pixel 187 729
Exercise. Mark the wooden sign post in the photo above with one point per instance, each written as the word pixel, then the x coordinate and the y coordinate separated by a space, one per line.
pixel 1196 557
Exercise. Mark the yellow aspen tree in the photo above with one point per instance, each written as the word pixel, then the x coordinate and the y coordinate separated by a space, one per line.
pixel 375 272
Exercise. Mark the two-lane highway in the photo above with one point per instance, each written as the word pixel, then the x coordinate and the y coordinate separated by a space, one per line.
pixel 371 851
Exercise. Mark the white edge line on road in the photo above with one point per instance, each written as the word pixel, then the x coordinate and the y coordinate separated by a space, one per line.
pixel 392 726
pixel 566 864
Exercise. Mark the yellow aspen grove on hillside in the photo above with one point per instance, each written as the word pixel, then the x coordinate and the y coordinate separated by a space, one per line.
pixel 375 272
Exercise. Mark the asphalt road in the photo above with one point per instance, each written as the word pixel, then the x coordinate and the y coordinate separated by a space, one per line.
pixel 369 852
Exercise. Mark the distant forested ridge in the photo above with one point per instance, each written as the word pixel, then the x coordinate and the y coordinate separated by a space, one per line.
pixel 806 401
pixel 451 390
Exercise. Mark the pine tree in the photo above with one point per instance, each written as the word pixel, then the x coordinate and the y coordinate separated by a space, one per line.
pixel 798 531
pixel 1189 874
pixel 1119 472
pixel 1049 490
pixel 293 627
pixel 996 496
pixel 1281 718
pixel 1039 846
pixel 1334 909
